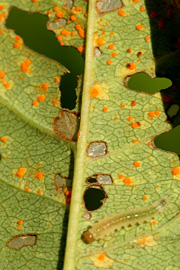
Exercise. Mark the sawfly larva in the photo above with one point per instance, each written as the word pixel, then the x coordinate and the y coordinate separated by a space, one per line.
pixel 109 224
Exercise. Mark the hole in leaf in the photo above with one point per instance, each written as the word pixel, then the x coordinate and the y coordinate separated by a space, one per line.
pixel 68 97
pixel 97 52
pixel 87 215
pixel 21 241
pixel 144 83
pixel 68 4
pixel 104 6
pixel 66 125
pixel 97 149
pixel 56 24
pixel 32 28
pixel 94 197
pixel 169 141
pixel 103 179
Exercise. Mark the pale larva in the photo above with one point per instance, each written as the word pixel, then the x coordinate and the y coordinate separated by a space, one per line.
pixel 108 225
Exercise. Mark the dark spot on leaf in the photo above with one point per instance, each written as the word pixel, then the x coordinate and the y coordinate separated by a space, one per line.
pixel 104 6
pixel 68 4
pixel 21 241
pixel 66 125
pixel 51 25
pixel 62 183
pixel 144 83
pixel 97 52
pixel 101 178
pixel 94 197
pixel 96 149
pixel 172 110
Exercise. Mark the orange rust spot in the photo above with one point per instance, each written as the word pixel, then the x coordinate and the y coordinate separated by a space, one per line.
pixel 62 43
pixel 55 9
pixel 122 105
pixel 35 102
pixel 41 98
pixel 55 102
pixel 48 12
pixel 3 139
pixel 120 176
pixel 45 86
pixel 142 241
pixel 59 38
pixel 39 191
pixel 79 8
pixel 133 103
pixel 131 66
pixel 101 257
pixel 78 27
pixel 2 7
pixel 148 143
pixel 56 79
pixel 73 33
pixel 176 171
pixel 144 197
pixel 65 33
pixel 80 49
pixel 129 50
pixel 21 172
pixel 139 54
pixel 2 74
pixel 134 141
pixel 116 117
pixel 20 222
pixel 1 31
pixel 59 14
pixel 27 189
pixel 121 12
pixel 137 164
pixel 142 9
pixel 68 193
pixel 105 108
pixel 135 125
pixel 153 223
pixel 139 27
pixel 17 45
pixel 100 41
pixel 130 118
pixel 7 85
pixel 127 181
pixel 114 54
pixel 152 113
pixel 109 62
pixel 94 92
pixel 73 18
pixel 40 175
pixel 18 38
pixel 81 33
pixel 157 112
pixel 147 38
pixel 135 1
pixel 111 46
pixel 19 228
pixel 25 65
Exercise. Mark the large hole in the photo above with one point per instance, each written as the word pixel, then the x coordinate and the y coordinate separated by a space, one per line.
pixel 94 197
pixel 32 28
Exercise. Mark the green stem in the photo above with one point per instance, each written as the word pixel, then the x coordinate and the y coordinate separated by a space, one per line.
pixel 79 168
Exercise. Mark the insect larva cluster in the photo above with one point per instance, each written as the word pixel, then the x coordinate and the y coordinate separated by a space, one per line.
pixel 108 225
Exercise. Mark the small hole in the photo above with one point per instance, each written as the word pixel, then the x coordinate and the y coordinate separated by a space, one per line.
pixel 97 149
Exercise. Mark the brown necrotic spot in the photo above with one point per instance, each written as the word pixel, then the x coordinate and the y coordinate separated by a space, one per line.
pixel 97 52
pixel 94 197
pixel 51 25
pixel 66 125
pixel 62 183
pixel 97 149
pixel 172 110
pixel 68 4
pixel 101 178
pixel 104 6
pixel 21 241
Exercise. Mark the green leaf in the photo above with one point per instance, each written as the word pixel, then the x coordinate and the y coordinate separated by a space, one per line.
pixel 117 167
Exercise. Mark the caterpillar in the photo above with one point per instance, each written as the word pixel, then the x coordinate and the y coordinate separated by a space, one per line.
pixel 109 224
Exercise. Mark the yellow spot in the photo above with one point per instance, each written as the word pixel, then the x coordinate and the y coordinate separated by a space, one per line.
pixel 21 172
pixel 102 260
pixel 176 171
pixel 127 181
pixel 148 241
pixel 137 164
pixel 99 91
